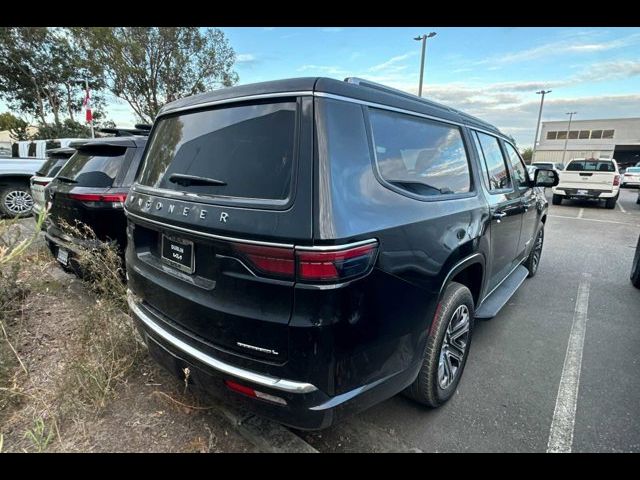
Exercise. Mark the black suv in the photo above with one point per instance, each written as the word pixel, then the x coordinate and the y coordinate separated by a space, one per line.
pixel 91 188
pixel 311 247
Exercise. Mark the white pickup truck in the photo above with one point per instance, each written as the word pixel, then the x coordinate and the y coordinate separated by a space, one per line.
pixel 589 178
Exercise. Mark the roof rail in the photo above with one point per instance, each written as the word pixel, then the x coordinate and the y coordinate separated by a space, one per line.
pixel 384 88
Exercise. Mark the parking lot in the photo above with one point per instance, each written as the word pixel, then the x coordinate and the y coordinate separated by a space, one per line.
pixel 507 397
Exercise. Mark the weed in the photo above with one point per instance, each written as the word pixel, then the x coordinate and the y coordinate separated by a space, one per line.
pixel 39 436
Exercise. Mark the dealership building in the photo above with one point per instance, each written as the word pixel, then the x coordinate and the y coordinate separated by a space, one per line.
pixel 616 137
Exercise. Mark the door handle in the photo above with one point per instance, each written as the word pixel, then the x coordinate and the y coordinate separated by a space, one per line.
pixel 499 216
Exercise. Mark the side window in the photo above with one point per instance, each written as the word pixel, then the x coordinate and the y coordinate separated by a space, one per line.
pixel 420 156
pixel 494 163
pixel 520 175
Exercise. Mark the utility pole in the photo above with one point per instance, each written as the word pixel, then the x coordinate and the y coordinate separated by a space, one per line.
pixel 566 140
pixel 535 139
pixel 423 38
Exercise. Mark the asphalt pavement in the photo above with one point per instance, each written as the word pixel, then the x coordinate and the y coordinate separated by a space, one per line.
pixel 561 361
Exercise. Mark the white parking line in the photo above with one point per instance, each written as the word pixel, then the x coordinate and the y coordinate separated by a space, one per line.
pixel 595 220
pixel 580 213
pixel 564 416
pixel 621 207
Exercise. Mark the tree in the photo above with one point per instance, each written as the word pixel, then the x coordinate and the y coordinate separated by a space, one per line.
pixel 16 126
pixel 527 155
pixel 40 71
pixel 150 66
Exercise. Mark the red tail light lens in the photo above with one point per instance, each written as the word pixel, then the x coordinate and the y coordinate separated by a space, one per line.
pixel 40 182
pixel 309 265
pixel 115 200
pixel 273 261
pixel 336 265
pixel 616 180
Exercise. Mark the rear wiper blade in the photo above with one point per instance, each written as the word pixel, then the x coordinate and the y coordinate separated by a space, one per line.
pixel 444 190
pixel 66 179
pixel 186 180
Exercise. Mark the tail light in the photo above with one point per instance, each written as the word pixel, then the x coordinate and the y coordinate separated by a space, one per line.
pixel 39 182
pixel 616 180
pixel 114 200
pixel 308 264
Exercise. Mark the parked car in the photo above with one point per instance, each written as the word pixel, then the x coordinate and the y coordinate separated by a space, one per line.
pixel 91 188
pixel 549 165
pixel 593 179
pixel 635 267
pixel 56 158
pixel 631 177
pixel 15 196
pixel 311 247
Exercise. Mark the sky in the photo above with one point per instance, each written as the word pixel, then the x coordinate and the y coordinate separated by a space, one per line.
pixel 492 73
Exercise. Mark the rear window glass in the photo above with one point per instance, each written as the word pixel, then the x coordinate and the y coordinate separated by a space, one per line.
pixel 420 156
pixel 94 168
pixel 633 170
pixel 52 166
pixel 249 149
pixel 591 166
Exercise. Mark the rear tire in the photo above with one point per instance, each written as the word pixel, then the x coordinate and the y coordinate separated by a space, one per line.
pixel 556 199
pixel 15 200
pixel 447 348
pixel 610 203
pixel 635 267
pixel 533 260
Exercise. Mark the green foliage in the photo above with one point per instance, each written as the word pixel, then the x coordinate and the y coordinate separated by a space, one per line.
pixel 150 66
pixel 16 126
pixel 39 436
pixel 527 155
pixel 67 129
pixel 40 68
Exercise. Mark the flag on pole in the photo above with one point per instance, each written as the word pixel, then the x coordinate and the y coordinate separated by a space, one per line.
pixel 87 105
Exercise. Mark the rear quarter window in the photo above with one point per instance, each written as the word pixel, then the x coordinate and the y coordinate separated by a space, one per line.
pixel 249 148
pixel 419 156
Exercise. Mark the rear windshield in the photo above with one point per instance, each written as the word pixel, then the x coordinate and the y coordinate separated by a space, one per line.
pixel 248 149
pixel 591 166
pixel 543 165
pixel 52 166
pixel 633 170
pixel 97 168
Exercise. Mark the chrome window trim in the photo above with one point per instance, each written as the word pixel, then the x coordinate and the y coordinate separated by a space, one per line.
pixel 331 248
pixel 245 98
pixel 257 378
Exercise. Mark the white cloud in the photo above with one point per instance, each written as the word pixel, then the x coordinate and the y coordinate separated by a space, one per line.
pixel 245 58
pixel 392 63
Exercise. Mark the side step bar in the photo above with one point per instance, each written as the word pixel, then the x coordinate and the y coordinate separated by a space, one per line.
pixel 491 305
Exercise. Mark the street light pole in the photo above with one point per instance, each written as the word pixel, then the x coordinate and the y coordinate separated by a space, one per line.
pixel 566 140
pixel 423 38
pixel 535 139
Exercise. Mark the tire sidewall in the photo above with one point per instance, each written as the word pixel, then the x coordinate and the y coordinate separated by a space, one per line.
pixel 455 295
pixel 4 191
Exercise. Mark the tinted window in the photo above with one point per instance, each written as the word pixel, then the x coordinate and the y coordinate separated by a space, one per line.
pixel 496 168
pixel 562 135
pixel 607 134
pixel 551 135
pixel 52 166
pixel 573 134
pixel 94 168
pixel 418 155
pixel 596 133
pixel 584 133
pixel 250 148
pixel 519 170
pixel 591 165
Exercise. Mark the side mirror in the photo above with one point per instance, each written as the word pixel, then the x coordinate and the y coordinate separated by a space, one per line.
pixel 545 178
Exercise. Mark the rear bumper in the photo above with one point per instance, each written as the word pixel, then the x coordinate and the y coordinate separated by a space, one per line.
pixel 590 192
pixel 307 407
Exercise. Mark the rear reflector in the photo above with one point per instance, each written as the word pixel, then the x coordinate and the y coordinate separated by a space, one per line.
pixel 250 392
